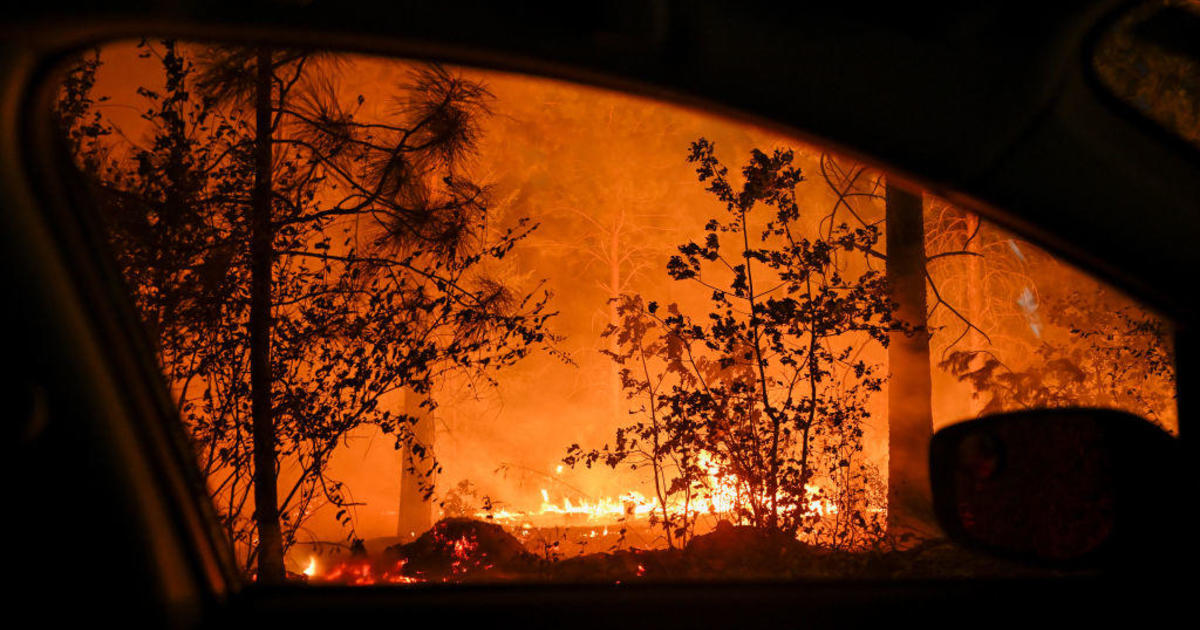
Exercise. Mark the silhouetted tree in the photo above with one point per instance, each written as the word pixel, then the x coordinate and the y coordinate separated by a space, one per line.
pixel 768 383
pixel 670 445
pixel 1095 351
pixel 916 297
pixel 301 270
pixel 910 389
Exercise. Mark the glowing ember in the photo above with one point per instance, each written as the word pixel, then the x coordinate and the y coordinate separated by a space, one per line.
pixel 362 572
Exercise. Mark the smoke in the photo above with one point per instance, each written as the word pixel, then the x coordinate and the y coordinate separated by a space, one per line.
pixel 605 178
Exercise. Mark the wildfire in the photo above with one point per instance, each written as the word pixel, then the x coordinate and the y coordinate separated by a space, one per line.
pixel 631 503
pixel 466 556
pixel 361 572
pixel 719 495
pixel 466 559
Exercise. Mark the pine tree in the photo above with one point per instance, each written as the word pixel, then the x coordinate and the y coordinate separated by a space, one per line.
pixel 301 266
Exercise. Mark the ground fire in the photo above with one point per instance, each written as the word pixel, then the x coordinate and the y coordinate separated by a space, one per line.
pixel 490 327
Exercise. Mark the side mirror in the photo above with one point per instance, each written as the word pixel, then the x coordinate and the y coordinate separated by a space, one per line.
pixel 1060 487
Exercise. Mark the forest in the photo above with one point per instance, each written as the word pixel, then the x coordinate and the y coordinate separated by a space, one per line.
pixel 425 323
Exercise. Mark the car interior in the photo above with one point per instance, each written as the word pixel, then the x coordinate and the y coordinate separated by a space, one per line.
pixel 476 282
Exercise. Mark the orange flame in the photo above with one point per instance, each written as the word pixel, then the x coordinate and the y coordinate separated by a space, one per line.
pixel 720 497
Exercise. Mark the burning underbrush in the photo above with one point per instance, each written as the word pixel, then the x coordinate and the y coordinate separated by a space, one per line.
pixel 463 550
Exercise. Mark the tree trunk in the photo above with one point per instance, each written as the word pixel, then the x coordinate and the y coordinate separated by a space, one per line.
pixel 910 414
pixel 266 501
pixel 975 304
pixel 416 473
